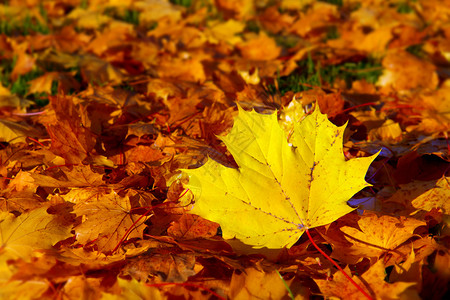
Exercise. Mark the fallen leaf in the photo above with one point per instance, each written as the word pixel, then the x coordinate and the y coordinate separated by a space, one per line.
pixel 424 195
pixel 379 127
pixel 25 62
pixel 34 230
pixel 70 134
pixel 380 235
pixel 434 108
pixel 372 282
pixel 279 190
pixel 191 227
pixel 134 290
pixel 164 267
pixel 236 9
pixel 405 73
pixel 81 287
pixel 15 132
pixel 408 271
pixel 260 47
pixel 74 176
pixel 257 284
pixel 106 219
pixel 27 290
pixel 228 31
pixel 435 197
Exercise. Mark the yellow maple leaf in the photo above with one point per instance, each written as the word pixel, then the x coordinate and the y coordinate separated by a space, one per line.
pixel 135 290
pixel 15 132
pixel 280 188
pixel 24 290
pixel 257 284
pixel 33 230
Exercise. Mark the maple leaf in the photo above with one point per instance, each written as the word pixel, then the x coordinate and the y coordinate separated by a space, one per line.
pixel 378 235
pixel 16 289
pixel 339 286
pixel 106 219
pixel 257 284
pixel 38 230
pixel 280 189
pixel 423 195
pixel 191 227
pixel 75 176
pixel 70 134
pixel 15 132
pixel 133 289
pixel 168 267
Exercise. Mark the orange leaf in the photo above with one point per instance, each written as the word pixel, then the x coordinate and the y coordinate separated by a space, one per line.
pixel 372 280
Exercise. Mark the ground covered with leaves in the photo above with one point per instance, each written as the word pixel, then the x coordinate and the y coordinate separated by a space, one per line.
pixel 103 102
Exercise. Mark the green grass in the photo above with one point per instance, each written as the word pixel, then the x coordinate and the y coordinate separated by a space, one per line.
pixel 41 99
pixel 404 8
pixel 286 41
pixel 131 16
pixel 26 26
pixel 310 74
pixel 185 3
pixel 416 50
pixel 84 4
pixel 369 69
pixel 252 26
pixel 6 67
pixel 335 2
pixel 332 33
pixel 21 85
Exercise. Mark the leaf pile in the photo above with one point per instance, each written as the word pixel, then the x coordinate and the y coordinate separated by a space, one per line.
pixel 103 102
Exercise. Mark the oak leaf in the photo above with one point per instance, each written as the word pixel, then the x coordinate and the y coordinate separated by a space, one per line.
pixel 280 189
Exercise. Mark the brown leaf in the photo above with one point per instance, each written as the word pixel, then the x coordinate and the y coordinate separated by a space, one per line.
pixel 372 282
pixel 106 220
pixel 70 134
pixel 170 267
pixel 191 227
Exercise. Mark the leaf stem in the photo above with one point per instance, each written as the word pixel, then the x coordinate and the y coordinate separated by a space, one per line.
pixel 337 266
pixel 285 285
